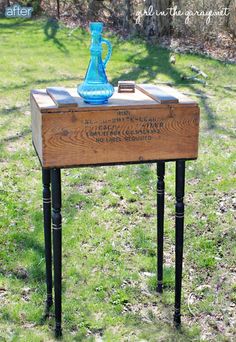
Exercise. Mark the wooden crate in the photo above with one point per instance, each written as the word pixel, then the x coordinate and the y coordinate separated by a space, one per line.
pixel 132 127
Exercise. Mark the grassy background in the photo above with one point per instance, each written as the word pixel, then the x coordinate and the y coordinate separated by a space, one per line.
pixel 109 214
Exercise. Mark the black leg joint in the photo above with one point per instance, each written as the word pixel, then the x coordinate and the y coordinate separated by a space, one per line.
pixel 49 301
pixel 58 330
pixel 177 318
pixel 48 305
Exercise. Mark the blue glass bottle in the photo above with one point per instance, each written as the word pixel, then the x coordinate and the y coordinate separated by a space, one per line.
pixel 96 89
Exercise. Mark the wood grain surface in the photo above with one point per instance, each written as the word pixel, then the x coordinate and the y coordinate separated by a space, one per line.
pixel 88 138
pixel 130 128
pixel 157 94
pixel 61 97
pixel 134 100
pixel 36 125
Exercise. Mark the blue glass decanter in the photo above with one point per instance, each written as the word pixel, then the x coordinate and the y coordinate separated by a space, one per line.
pixel 96 89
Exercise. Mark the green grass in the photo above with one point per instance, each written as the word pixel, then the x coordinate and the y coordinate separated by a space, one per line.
pixel 109 214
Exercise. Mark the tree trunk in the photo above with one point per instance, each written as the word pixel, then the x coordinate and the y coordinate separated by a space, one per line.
pixel 58 9
pixel 157 25
pixel 165 22
pixel 230 20
pixel 128 14
pixel 94 7
pixel 3 4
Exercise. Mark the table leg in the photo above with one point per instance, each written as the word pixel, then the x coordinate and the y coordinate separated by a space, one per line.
pixel 47 236
pixel 57 255
pixel 179 236
pixel 160 222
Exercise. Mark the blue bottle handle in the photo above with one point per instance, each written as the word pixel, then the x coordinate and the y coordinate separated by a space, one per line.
pixel 108 56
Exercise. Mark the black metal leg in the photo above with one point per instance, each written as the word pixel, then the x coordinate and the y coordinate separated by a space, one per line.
pixel 47 236
pixel 160 222
pixel 179 236
pixel 57 255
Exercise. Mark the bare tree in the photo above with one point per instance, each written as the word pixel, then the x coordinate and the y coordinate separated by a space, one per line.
pixel 58 9
pixel 230 21
pixel 157 25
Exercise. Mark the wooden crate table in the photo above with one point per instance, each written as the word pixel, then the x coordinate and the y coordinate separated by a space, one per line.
pixel 150 125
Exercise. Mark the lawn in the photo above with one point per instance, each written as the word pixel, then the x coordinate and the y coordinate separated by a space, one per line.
pixel 109 214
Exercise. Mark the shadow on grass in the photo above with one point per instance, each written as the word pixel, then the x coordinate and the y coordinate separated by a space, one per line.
pixel 50 30
pixel 211 117
pixel 157 61
pixel 33 273
pixel 16 136
pixel 8 114
pixel 12 110
pixel 38 82
pixel 16 22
